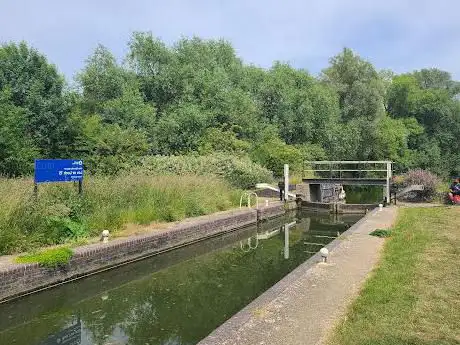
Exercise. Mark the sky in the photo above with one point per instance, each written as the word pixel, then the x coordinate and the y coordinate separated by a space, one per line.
pixel 402 35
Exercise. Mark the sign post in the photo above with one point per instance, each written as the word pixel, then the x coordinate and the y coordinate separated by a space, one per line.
pixel 58 170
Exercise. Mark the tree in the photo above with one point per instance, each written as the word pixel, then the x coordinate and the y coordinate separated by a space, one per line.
pixel 36 87
pixel 434 78
pixel 17 150
pixel 273 153
pixel 108 148
pixel 180 129
pixel 361 91
pixel 219 140
pixel 101 80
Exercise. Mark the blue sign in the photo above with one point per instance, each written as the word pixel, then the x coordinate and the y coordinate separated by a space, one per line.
pixel 58 170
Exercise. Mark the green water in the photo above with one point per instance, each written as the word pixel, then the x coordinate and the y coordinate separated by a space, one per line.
pixel 364 194
pixel 174 298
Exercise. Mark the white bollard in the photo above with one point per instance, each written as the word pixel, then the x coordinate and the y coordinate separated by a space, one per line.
pixel 266 202
pixel 286 182
pixel 380 207
pixel 324 253
pixel 105 236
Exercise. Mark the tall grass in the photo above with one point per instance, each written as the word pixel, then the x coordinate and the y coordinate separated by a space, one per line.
pixel 59 215
pixel 240 172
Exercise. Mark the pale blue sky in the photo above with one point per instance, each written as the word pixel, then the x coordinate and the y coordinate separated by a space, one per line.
pixel 402 35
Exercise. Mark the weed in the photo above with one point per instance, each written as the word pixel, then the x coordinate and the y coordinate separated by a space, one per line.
pixel 381 233
pixel 50 258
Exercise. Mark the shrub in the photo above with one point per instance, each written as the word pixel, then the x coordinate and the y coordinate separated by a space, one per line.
pixel 426 178
pixel 50 258
pixel 274 153
pixel 240 172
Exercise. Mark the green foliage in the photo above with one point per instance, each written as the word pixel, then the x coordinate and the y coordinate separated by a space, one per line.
pixel 274 153
pixel 180 129
pixel 426 97
pixel 197 97
pixel 361 91
pixel 411 296
pixel 108 148
pixel 218 140
pixel 61 216
pixel 17 150
pixel 50 258
pixel 240 172
pixel 36 88
pixel 381 233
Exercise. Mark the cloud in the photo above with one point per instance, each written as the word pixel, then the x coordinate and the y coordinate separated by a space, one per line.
pixel 400 35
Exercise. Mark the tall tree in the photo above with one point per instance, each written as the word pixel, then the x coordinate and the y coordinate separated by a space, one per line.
pixel 361 91
pixel 37 88
pixel 17 149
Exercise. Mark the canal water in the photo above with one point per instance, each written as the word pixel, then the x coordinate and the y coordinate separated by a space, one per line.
pixel 178 297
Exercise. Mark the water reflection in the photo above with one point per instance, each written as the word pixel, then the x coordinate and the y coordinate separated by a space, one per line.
pixel 175 298
pixel 70 335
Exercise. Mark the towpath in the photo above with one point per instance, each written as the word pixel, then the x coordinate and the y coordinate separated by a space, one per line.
pixel 303 308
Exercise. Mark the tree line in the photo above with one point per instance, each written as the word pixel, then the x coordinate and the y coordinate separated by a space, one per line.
pixel 196 97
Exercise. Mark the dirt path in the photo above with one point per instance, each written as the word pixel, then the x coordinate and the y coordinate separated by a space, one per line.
pixel 303 307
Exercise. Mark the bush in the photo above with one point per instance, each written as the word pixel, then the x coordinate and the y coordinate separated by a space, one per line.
pixel 61 216
pixel 50 258
pixel 274 153
pixel 426 178
pixel 240 172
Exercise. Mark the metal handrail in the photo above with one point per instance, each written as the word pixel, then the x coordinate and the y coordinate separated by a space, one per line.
pixel 249 194
pixel 250 247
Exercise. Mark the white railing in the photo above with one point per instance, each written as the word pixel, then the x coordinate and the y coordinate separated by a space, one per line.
pixel 248 195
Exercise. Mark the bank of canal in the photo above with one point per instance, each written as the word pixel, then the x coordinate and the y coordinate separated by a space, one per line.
pixel 177 297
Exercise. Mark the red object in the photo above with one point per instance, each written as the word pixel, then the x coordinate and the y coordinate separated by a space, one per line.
pixel 454 198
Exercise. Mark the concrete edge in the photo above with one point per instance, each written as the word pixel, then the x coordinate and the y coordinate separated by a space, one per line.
pixel 225 332
pixel 17 280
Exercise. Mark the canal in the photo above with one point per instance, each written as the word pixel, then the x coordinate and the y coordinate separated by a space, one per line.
pixel 174 298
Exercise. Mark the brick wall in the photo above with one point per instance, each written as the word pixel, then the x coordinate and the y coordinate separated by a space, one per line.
pixel 17 279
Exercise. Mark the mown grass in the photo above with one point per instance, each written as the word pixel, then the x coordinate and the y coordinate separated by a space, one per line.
pixel 413 297
pixel 59 215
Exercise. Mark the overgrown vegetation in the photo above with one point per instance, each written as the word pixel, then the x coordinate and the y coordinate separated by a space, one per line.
pixel 430 182
pixel 194 108
pixel 412 298
pixel 50 258
pixel 59 215
pixel 197 97
pixel 240 172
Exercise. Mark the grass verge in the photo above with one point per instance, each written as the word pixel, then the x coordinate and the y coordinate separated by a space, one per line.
pixel 50 258
pixel 413 297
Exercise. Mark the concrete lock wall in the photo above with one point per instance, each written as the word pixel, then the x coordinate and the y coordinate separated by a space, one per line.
pixel 18 279
pixel 324 193
pixel 339 208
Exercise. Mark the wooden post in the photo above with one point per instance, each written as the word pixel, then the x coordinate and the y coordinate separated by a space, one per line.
pixel 35 190
pixel 80 187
